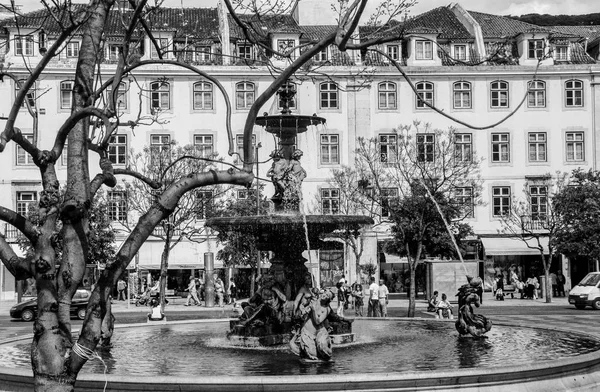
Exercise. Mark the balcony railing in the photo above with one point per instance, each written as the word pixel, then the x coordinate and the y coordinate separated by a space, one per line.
pixel 534 223
pixel 10 232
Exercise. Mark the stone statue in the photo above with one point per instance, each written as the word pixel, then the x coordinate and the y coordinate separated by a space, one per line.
pixel 287 176
pixel 277 172
pixel 266 306
pixel 312 340
pixel 468 322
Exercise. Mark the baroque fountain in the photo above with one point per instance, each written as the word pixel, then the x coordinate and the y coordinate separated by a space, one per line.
pixel 260 350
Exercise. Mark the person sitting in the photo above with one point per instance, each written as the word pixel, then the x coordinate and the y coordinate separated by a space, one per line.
pixel 433 301
pixel 444 309
pixel 156 314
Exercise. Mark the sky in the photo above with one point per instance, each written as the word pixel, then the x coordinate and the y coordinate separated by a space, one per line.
pixel 497 7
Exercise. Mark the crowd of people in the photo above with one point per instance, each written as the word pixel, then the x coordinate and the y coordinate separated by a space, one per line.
pixel 511 283
pixel 377 296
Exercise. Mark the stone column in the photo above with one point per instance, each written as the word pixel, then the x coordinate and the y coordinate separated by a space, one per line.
pixel 209 279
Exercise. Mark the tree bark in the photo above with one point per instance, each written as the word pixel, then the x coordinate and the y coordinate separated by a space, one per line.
pixel 164 266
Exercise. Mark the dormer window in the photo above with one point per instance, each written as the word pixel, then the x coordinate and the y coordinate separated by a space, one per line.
pixel 285 46
pixel 460 52
pixel 23 45
pixel 202 53
pixel 424 50
pixel 321 56
pixel 73 49
pixel 163 44
pixel 245 51
pixel 535 48
pixel 393 52
pixel 561 53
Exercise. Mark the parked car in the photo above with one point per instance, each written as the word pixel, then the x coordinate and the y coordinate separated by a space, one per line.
pixel 587 292
pixel 27 310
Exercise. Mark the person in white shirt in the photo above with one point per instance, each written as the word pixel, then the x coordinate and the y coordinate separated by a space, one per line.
pixel 373 308
pixel 383 294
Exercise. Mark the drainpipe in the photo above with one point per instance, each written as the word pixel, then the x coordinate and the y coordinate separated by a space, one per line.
pixel 593 84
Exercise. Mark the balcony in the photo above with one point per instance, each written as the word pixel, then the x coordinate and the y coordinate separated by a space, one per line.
pixel 534 222
pixel 10 233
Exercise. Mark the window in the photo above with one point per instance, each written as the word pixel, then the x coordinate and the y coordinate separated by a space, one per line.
pixel 117 206
pixel 387 95
pixel 160 96
pixel 285 46
pixel 203 145
pixel 163 44
pixel 574 93
pixel 121 102
pixel 575 146
pixel 330 150
pixel 330 201
pixel 66 94
pixel 425 147
pixel 245 52
pixel 463 144
pixel 393 51
pixel 239 146
pixel 160 147
pixel 388 148
pixel 561 53
pixel 292 102
pixel 537 146
pixel 117 149
pixel 424 94
pixel 538 198
pixel 112 52
pixel 23 45
pixel 321 56
pixel 30 97
pixel 424 50
pixel 500 147
pixel 463 197
pixel 535 48
pixel 500 200
pixel 462 95
pixel 329 95
pixel 387 197
pixel 499 94
pixel 203 96
pixel 536 94
pixel 23 157
pixel 203 54
pixel 204 200
pixel 73 49
pixel 25 202
pixel 460 52
pixel 244 95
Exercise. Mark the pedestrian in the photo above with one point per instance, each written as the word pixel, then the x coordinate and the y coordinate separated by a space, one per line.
pixel 383 295
pixel 219 291
pixel 155 313
pixel 560 284
pixel 357 293
pixel 341 297
pixel 554 282
pixel 373 307
pixel 121 286
pixel 433 301
pixel 232 291
pixel 531 286
pixel 444 308
pixel 192 293
pixel 500 288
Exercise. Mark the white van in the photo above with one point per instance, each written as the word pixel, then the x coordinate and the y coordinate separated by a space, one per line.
pixel 587 292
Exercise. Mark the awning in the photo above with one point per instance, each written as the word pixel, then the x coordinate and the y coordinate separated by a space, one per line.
pixel 394 259
pixel 513 246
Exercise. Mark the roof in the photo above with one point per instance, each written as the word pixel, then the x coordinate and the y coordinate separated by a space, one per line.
pixel 495 26
pixel 441 20
pixel 591 33
pixel 261 27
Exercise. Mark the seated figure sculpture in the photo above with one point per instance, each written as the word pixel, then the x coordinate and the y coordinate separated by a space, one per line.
pixel 266 306
pixel 468 322
pixel 311 341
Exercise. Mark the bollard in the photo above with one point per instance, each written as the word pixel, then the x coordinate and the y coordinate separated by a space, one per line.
pixel 209 280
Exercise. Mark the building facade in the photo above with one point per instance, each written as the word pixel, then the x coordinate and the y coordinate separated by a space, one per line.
pixel 472 66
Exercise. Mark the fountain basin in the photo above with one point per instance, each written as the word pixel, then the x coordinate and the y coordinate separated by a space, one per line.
pixel 479 365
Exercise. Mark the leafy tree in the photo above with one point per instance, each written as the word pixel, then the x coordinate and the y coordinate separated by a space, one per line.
pixel 166 165
pixel 577 207
pixel 424 172
pixel 536 217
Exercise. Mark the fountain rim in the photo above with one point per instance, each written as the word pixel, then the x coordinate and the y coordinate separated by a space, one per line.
pixel 527 375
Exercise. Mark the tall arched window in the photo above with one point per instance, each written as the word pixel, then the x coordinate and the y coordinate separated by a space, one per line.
pixel 573 93
pixel 424 94
pixel 244 95
pixel 160 95
pixel 203 96
pixel 387 95
pixel 462 95
pixel 536 94
pixel 499 94
pixel 121 102
pixel 328 95
pixel 66 94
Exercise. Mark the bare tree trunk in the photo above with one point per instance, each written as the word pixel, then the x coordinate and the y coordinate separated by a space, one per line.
pixel 548 288
pixel 164 266
pixel 412 292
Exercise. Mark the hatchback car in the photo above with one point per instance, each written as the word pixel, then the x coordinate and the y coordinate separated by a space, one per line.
pixel 27 310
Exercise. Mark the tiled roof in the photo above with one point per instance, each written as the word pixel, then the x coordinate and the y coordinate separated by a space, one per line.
pixel 589 32
pixel 263 26
pixel 310 33
pixel 494 26
pixel 441 20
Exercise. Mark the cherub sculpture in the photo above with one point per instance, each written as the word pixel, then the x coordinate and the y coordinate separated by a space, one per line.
pixel 468 322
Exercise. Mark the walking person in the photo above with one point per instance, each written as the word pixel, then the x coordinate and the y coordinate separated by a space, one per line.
pixel 383 295
pixel 341 294
pixel 219 291
pixel 232 292
pixel 357 293
pixel 560 284
pixel 121 286
pixel 554 282
pixel 373 306
pixel 192 293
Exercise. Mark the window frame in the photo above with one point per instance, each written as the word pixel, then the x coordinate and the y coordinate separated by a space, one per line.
pixel 117 152
pixel 465 197
pixel 535 89
pixel 199 89
pixel 423 49
pixel 558 55
pixel 425 143
pixel 497 92
pixel 321 56
pixel 497 143
pixel 66 92
pixel 72 49
pixel 425 93
pixel 248 49
pixel 160 143
pixel 201 55
pixel 117 201
pixel 245 94
pixel 539 200
pixel 535 52
pixel 204 144
pixel 205 201
pixel 461 145
pixel 23 207
pixel 393 51
pixel 463 90
pixel 24 45
pixel 21 154
pixel 385 95
pixel 163 43
pixel 537 144
pixel 330 201
pixel 460 54
pixel 387 194
pixel 504 201
pixel 574 142
pixel 31 95
pixel 157 94
pixel 387 142
pixel 329 148
pixel 571 93
pixel 239 147
pixel 329 98
pixel 122 99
